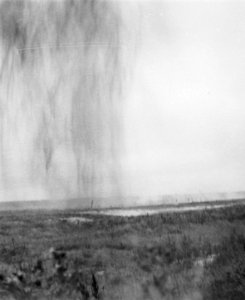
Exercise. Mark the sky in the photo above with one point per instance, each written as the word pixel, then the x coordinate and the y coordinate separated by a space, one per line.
pixel 185 109
pixel 181 68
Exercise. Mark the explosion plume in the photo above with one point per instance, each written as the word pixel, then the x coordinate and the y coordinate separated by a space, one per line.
pixel 60 102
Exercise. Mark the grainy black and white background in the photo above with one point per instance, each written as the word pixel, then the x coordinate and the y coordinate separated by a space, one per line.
pixel 122 149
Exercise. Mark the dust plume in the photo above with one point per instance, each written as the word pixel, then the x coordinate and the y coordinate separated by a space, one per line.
pixel 61 105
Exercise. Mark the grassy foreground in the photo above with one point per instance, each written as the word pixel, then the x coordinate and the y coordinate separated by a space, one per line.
pixel 189 255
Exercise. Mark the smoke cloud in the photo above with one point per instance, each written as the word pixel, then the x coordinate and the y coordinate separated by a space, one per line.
pixel 61 72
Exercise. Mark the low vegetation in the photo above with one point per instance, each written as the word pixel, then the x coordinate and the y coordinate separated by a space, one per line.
pixel 189 255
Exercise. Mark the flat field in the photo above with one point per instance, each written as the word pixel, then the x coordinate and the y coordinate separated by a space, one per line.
pixel 54 254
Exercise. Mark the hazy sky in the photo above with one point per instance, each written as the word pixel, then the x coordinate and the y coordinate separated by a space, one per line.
pixel 183 106
pixel 185 116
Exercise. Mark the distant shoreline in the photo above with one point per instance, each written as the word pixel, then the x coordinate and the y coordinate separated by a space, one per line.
pixel 84 205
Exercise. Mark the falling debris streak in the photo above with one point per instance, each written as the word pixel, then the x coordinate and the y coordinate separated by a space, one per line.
pixel 70 46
